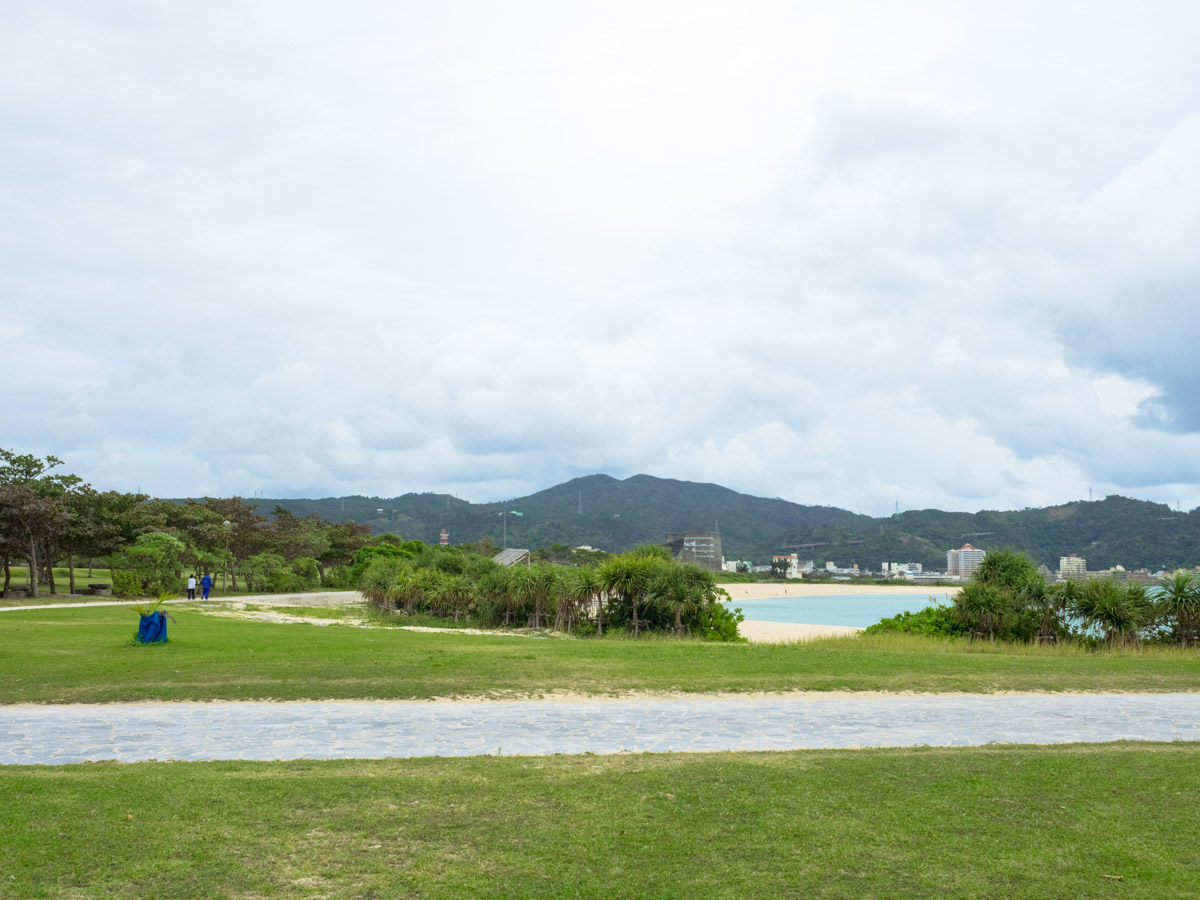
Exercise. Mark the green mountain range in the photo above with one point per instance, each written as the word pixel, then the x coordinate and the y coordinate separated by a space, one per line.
pixel 614 515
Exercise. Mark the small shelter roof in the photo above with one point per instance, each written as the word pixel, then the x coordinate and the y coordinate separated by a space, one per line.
pixel 511 557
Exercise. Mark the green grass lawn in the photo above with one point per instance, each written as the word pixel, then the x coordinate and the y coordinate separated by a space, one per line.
pixel 85 656
pixel 993 822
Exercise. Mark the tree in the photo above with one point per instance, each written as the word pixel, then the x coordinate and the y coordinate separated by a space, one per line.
pixel 32 515
pixel 581 590
pixel 1119 613
pixel 1006 568
pixel 155 558
pixel 1179 604
pixel 983 608
pixel 241 530
pixel 454 596
pixel 28 521
pixel 675 589
pixel 627 578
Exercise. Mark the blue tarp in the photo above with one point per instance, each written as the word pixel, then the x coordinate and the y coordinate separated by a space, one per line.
pixel 153 629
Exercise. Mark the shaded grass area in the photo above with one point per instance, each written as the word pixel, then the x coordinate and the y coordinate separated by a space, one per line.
pixel 45 599
pixel 85 656
pixel 984 822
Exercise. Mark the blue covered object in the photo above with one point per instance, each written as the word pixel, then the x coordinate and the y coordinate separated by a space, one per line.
pixel 153 629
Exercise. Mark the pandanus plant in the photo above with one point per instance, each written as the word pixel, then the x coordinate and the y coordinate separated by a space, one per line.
pixel 1119 613
pixel 983 608
pixel 1179 605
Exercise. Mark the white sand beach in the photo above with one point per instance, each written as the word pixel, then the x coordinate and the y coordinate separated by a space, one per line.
pixel 782 632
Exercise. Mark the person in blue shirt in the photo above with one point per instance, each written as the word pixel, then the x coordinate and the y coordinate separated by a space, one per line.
pixel 206 584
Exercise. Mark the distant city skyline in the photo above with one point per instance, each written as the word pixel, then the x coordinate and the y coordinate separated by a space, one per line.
pixel 869 256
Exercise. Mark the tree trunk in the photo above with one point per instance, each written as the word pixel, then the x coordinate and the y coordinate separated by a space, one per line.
pixel 679 618
pixel 71 571
pixel 7 577
pixel 33 569
pixel 90 563
pixel 636 627
pixel 50 573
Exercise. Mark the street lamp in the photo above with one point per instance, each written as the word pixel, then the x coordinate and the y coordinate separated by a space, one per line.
pixel 225 568
pixel 505 518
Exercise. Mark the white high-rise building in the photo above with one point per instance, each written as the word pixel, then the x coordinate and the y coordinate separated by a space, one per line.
pixel 964 561
pixel 1071 566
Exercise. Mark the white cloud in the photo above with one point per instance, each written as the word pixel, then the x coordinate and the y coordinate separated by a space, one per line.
pixel 851 255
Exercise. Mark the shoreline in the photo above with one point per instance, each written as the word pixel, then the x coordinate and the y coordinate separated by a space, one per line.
pixel 800 589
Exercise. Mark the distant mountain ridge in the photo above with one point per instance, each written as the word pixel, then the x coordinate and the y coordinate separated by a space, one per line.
pixel 619 514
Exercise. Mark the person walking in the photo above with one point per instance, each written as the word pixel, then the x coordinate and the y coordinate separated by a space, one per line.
pixel 206 584
pixel 192 586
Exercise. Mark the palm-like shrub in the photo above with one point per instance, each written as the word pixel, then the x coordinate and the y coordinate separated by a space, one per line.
pixel 1047 603
pixel 1179 606
pixel 626 579
pixel 580 592
pixel 453 596
pixel 984 608
pixel 1006 568
pixel 376 581
pixel 680 590
pixel 492 594
pixel 1118 612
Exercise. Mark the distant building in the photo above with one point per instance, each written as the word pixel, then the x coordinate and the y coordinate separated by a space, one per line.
pixel 964 561
pixel 444 538
pixel 737 565
pixel 899 570
pixel 700 547
pixel 1071 566
pixel 793 565
pixel 834 569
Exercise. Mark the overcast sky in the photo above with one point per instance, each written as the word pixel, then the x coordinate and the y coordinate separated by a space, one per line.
pixel 939 254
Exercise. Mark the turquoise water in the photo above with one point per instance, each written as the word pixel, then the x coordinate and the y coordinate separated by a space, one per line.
pixel 857 610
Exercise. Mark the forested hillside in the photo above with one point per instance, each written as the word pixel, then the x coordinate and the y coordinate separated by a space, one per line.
pixel 617 515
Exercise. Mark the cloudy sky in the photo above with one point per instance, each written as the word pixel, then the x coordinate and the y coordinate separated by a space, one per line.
pixel 934 253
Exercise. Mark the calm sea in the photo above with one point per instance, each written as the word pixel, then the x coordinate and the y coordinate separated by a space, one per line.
pixel 857 610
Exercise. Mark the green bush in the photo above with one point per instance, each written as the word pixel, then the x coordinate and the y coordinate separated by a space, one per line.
pixel 936 621
pixel 717 622
pixel 126 583
pixel 164 586
pixel 339 577
pixel 308 572
pixel 282 581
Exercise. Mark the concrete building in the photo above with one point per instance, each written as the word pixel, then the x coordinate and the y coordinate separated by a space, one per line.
pixel 700 547
pixel 964 561
pixel 793 565
pixel 1071 566
pixel 899 570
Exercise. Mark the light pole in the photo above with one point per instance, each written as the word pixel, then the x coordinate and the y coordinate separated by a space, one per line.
pixel 504 516
pixel 225 568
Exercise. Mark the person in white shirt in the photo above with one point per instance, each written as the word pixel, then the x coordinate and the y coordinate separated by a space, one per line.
pixel 192 587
